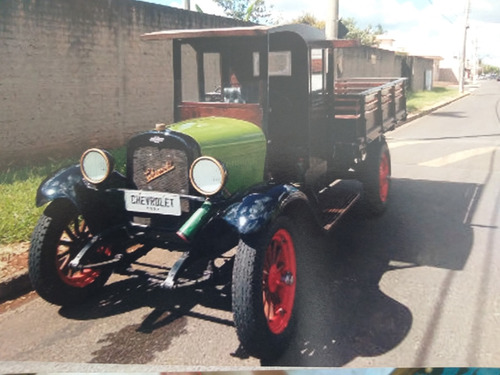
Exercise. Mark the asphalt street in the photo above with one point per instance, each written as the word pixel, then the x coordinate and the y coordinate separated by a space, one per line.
pixel 418 287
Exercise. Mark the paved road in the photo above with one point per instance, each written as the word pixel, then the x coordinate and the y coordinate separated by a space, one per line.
pixel 418 287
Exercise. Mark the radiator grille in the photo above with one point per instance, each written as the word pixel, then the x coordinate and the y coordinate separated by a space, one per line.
pixel 161 169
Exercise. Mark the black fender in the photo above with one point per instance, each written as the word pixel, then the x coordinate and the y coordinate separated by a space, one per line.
pixel 101 205
pixel 258 209
pixel 61 185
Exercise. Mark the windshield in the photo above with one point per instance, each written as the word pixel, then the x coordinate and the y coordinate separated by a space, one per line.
pixel 229 72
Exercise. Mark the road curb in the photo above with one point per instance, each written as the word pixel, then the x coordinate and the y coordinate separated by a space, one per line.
pixel 15 286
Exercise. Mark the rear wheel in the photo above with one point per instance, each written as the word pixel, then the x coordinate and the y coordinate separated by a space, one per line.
pixel 264 288
pixel 58 237
pixel 376 178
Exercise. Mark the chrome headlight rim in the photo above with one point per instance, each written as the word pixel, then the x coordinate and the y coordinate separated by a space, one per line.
pixel 222 172
pixel 108 164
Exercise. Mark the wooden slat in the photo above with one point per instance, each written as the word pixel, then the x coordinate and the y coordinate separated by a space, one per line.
pixel 247 112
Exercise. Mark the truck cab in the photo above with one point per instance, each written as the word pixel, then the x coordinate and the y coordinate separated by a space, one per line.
pixel 280 79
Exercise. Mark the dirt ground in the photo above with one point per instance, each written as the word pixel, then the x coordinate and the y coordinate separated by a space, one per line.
pixel 13 259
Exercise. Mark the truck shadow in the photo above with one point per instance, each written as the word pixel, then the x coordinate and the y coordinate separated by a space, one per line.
pixel 344 313
pixel 133 293
pixel 164 321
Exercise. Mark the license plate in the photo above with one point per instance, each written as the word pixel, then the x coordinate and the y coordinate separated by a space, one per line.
pixel 152 202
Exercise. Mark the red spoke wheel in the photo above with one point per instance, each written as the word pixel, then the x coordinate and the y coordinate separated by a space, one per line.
pixel 73 238
pixel 264 289
pixel 384 175
pixel 278 284
pixel 376 178
pixel 58 237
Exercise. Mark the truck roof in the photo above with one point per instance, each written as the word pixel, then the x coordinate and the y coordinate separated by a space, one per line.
pixel 308 33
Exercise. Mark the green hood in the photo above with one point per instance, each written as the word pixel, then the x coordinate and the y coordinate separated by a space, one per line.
pixel 238 144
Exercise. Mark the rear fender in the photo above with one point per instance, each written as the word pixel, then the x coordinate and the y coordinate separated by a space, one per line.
pixel 257 210
pixel 101 206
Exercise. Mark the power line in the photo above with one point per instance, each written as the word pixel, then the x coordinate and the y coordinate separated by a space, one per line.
pixel 441 14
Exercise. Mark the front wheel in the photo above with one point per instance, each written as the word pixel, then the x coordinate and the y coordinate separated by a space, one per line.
pixel 264 288
pixel 58 237
pixel 376 178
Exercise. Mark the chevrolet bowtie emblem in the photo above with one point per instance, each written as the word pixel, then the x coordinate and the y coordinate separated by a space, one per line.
pixel 152 174
pixel 156 139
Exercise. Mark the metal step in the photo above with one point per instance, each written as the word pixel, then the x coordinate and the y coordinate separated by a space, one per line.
pixel 336 200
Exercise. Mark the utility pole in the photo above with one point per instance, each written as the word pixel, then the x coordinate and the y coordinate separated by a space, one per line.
pixel 332 20
pixel 463 59
pixel 187 4
pixel 475 62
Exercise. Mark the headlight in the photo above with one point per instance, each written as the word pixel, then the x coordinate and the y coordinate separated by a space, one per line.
pixel 207 175
pixel 96 165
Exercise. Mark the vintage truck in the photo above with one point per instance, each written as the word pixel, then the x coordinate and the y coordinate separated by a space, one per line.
pixel 262 139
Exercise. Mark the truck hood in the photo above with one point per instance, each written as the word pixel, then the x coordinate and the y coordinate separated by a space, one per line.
pixel 238 144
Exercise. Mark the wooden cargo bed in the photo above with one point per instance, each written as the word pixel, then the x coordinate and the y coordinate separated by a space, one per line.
pixel 368 107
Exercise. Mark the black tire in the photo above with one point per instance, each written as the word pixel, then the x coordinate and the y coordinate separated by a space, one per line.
pixel 58 237
pixel 376 179
pixel 261 288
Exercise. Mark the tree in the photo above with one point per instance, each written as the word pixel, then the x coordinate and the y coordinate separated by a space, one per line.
pixel 490 69
pixel 367 36
pixel 246 10
pixel 348 29
pixel 309 19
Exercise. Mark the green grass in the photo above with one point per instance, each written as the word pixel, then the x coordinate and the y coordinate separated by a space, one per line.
pixel 18 186
pixel 421 100
pixel 18 210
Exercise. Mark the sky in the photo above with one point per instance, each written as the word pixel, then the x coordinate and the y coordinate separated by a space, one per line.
pixel 420 27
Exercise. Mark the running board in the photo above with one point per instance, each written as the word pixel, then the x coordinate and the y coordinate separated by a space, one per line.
pixel 332 215
pixel 336 200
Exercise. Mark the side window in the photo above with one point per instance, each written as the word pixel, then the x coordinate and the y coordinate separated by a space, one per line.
pixel 319 70
pixel 256 64
pixel 280 63
pixel 189 76
pixel 207 90
pixel 212 77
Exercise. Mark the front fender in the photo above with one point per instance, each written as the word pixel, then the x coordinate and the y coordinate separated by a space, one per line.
pixel 101 206
pixel 257 210
pixel 61 184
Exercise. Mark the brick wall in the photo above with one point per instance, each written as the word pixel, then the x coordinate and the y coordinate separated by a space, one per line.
pixel 74 73
pixel 365 61
pixel 362 61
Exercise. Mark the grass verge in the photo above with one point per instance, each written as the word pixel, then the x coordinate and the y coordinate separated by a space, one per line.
pixel 18 186
pixel 422 100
